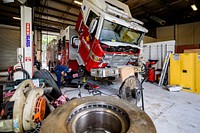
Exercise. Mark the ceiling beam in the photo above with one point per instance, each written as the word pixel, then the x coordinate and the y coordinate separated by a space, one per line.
pixel 50 22
pixel 165 6
pixel 67 4
pixel 46 28
pixel 54 16
pixel 140 4
pixel 58 10
pixel 9 21
pixel 11 8
pixel 15 14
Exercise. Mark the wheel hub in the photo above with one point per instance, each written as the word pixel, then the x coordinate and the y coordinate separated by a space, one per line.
pixel 98 118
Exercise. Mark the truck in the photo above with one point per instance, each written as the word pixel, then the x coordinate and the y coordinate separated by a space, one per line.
pixel 105 37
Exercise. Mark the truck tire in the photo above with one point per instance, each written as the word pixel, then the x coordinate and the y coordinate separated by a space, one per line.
pixel 49 80
pixel 98 114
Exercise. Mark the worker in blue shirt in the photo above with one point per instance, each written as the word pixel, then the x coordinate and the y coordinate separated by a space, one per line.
pixel 61 71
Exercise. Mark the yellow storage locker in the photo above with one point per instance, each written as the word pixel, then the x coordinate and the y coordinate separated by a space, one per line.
pixel 174 71
pixel 187 79
pixel 197 59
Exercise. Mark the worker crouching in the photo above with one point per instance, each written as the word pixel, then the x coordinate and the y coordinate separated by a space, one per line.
pixel 62 71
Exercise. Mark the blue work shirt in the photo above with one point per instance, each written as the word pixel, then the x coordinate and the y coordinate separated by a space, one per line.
pixel 61 68
pixel 58 70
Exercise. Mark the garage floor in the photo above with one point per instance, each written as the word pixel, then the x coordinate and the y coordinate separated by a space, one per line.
pixel 171 112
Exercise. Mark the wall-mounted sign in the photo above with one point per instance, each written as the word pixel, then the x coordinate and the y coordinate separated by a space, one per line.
pixel 28 43
pixel 176 57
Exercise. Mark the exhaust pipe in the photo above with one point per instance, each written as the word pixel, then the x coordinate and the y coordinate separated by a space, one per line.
pixel 158 20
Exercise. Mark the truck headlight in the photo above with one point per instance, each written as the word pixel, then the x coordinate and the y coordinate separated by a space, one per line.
pixel 95 57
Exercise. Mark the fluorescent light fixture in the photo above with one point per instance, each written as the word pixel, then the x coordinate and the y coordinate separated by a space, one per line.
pixel 78 2
pixel 17 18
pixel 194 7
pixel 8 1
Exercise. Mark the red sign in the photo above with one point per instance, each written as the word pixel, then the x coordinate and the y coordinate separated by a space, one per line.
pixel 27 28
pixel 28 35
pixel 28 59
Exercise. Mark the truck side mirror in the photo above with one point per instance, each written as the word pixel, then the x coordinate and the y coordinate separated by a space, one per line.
pixel 93 26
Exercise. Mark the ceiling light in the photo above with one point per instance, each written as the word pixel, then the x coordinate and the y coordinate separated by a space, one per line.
pixel 17 18
pixel 78 2
pixel 194 7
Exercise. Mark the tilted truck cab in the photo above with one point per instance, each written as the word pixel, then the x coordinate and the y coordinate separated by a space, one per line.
pixel 108 37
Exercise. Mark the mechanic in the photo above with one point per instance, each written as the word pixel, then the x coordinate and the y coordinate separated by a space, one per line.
pixel 61 71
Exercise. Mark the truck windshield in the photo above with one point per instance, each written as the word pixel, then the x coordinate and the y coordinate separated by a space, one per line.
pixel 114 32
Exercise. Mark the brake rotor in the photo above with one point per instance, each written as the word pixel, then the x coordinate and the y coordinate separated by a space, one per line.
pixel 98 114
pixel 130 90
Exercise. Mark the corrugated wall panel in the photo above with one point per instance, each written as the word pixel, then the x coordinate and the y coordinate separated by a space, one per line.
pixel 9 42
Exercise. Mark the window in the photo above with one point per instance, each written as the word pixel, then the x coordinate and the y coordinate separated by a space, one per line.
pixel 91 16
pixel 114 32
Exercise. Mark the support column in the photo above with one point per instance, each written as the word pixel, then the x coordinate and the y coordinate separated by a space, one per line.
pixel 26 39
pixel 39 46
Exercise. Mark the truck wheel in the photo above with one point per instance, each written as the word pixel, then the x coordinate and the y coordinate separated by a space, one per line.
pixel 130 90
pixel 98 114
pixel 49 81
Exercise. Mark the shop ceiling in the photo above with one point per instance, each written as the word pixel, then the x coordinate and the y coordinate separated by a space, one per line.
pixel 53 15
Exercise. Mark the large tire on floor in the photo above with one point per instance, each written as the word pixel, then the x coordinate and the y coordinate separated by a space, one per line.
pixel 98 114
pixel 49 80
pixel 130 90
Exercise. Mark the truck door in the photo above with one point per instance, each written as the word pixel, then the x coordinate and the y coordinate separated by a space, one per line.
pixel 86 39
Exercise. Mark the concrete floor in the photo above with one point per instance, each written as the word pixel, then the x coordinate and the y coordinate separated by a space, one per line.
pixel 171 112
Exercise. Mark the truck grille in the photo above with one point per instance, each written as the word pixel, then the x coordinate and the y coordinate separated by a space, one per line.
pixel 118 60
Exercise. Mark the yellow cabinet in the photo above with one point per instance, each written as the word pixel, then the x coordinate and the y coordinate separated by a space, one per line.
pixel 197 62
pixel 174 70
pixel 187 67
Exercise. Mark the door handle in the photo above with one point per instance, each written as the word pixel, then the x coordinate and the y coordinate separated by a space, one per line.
pixel 184 71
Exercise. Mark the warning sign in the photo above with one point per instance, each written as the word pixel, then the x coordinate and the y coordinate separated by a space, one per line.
pixel 176 57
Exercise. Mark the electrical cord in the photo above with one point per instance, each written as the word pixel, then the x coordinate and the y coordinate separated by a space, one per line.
pixel 25 74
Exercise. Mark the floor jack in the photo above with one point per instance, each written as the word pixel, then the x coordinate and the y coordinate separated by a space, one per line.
pixel 93 89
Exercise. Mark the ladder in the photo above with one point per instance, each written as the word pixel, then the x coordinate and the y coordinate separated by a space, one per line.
pixel 165 68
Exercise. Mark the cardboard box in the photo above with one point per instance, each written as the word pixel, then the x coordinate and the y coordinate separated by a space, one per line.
pixel 192 51
pixel 125 72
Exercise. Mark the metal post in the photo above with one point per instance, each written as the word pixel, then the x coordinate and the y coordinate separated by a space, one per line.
pixel 26 39
pixel 142 93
